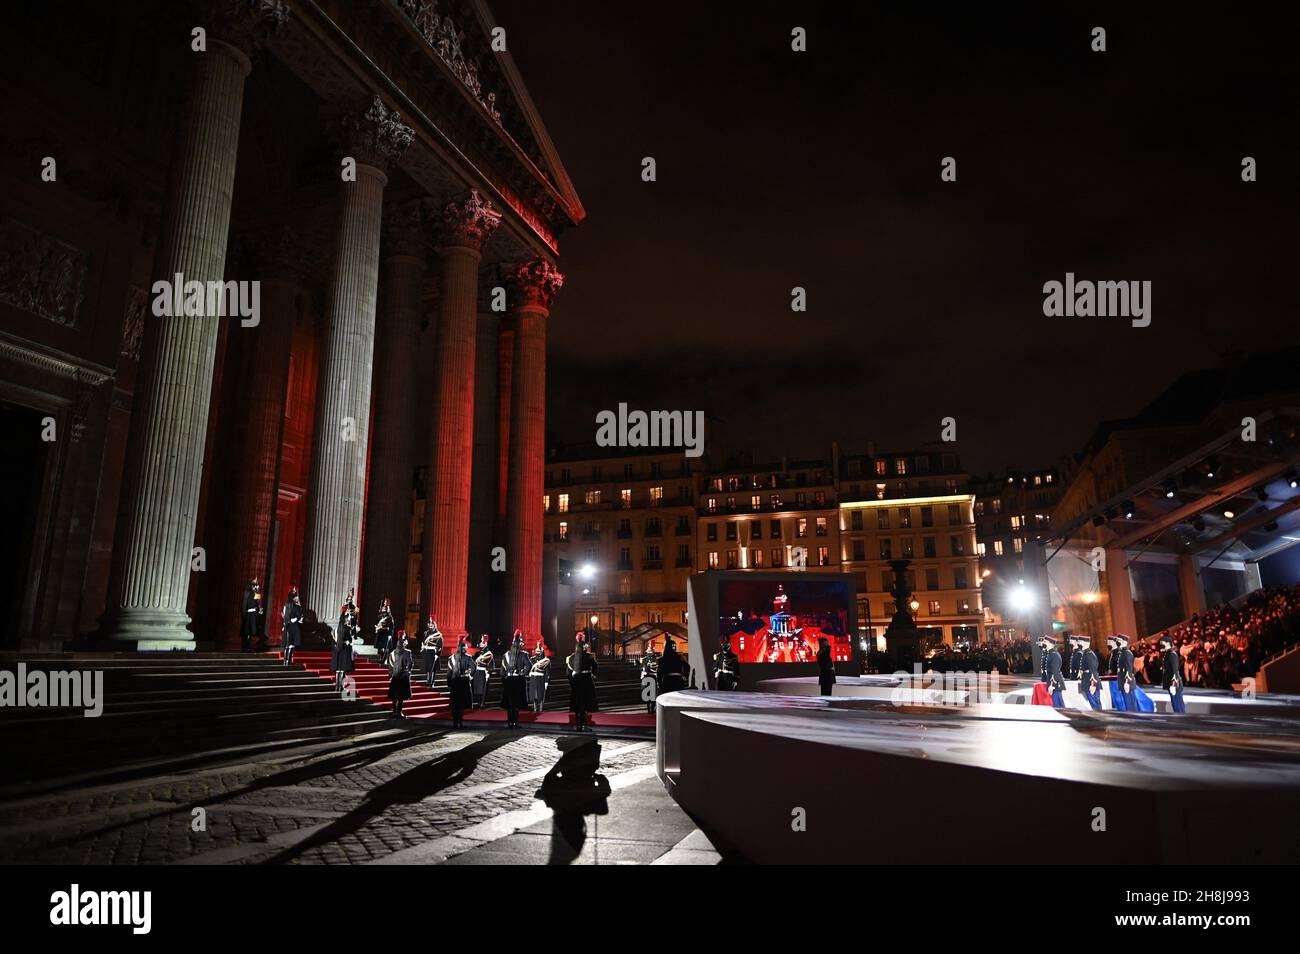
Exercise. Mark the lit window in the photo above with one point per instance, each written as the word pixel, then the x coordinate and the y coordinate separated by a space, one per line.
pixel 997 548
pixel 564 530
pixel 546 503
pixel 592 497
pixel 656 496
pixel 564 503
pixel 713 559
pixel 625 498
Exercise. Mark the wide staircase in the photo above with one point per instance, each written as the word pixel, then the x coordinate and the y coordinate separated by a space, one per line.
pixel 159 706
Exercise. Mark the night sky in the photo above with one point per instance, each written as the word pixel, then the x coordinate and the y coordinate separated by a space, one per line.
pixel 821 169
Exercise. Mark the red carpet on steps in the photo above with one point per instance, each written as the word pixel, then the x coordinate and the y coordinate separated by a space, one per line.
pixel 372 685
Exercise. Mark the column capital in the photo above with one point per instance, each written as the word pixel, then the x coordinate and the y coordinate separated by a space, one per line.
pixel 404 230
pixel 467 222
pixel 247 24
pixel 377 137
pixel 536 283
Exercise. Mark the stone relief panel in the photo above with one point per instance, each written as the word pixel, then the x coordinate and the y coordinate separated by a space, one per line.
pixel 40 274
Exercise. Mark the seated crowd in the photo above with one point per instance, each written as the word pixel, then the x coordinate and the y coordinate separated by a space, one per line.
pixel 1226 644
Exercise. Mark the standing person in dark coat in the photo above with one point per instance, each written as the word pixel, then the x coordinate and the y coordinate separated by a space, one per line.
pixel 1089 671
pixel 291 618
pixel 385 628
pixel 582 683
pixel 726 667
pixel 825 667
pixel 400 663
pixel 431 649
pixel 253 612
pixel 649 679
pixel 1124 673
pixel 539 678
pixel 460 673
pixel 349 629
pixel 1050 672
pixel 483 663
pixel 515 666
pixel 1171 673
pixel 1076 657
pixel 672 668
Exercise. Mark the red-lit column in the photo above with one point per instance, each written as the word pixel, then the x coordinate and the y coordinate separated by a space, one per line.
pixel 461 228
pixel 397 409
pixel 536 285
pixel 280 260
pixel 150 579
pixel 336 505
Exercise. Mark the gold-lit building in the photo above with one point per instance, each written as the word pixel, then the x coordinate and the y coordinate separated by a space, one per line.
pixel 626 527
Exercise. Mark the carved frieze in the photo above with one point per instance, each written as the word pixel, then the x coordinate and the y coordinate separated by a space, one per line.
pixel 137 301
pixel 40 274
pixel 442 36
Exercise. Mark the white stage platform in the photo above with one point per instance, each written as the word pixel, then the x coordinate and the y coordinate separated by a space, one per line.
pixel 883 783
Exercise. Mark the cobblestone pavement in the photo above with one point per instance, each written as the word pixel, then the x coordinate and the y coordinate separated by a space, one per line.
pixel 460 797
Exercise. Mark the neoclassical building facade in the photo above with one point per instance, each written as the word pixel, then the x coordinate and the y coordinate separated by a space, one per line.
pixel 370 176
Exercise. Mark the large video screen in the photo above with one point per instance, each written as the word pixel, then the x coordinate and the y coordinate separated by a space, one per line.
pixel 782 622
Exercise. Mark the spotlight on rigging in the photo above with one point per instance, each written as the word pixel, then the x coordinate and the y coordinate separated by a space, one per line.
pixel 1170 489
pixel 1229 514
pixel 1098 520
pixel 1290 478
pixel 1128 509
pixel 1211 466
pixel 1262 494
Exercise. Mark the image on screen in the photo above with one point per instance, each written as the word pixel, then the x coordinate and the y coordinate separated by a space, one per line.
pixel 782 622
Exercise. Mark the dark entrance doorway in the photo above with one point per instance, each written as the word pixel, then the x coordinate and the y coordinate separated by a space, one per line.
pixel 22 470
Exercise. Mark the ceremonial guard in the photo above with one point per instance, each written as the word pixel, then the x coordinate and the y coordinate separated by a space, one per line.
pixel 1171 666
pixel 825 667
pixel 1076 657
pixel 726 667
pixel 672 668
pixel 1088 671
pixel 539 678
pixel 460 671
pixel 1050 670
pixel 1125 678
pixel 649 679
pixel 349 629
pixel 400 663
pixel 482 672
pixel 582 683
pixel 431 649
pixel 253 613
pixel 291 618
pixel 385 628
pixel 515 666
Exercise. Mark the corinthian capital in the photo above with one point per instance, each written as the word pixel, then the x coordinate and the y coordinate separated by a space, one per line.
pixel 469 222
pixel 247 24
pixel 537 282
pixel 377 137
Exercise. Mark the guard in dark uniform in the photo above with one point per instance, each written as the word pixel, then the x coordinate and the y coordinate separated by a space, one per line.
pixel 483 663
pixel 582 683
pixel 1171 671
pixel 539 678
pixel 515 666
pixel 254 611
pixel 400 663
pixel 1089 675
pixel 672 668
pixel 726 667
pixel 1076 657
pixel 460 674
pixel 348 630
pixel 1050 671
pixel 825 667
pixel 291 618
pixel 431 649
pixel 1124 675
pixel 649 679
pixel 384 629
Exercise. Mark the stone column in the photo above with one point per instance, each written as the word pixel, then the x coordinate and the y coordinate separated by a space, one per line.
pixel 483 496
pixel 536 285
pixel 398 395
pixel 149 582
pixel 1190 585
pixel 280 261
pixel 461 229
pixel 1119 590
pixel 336 501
